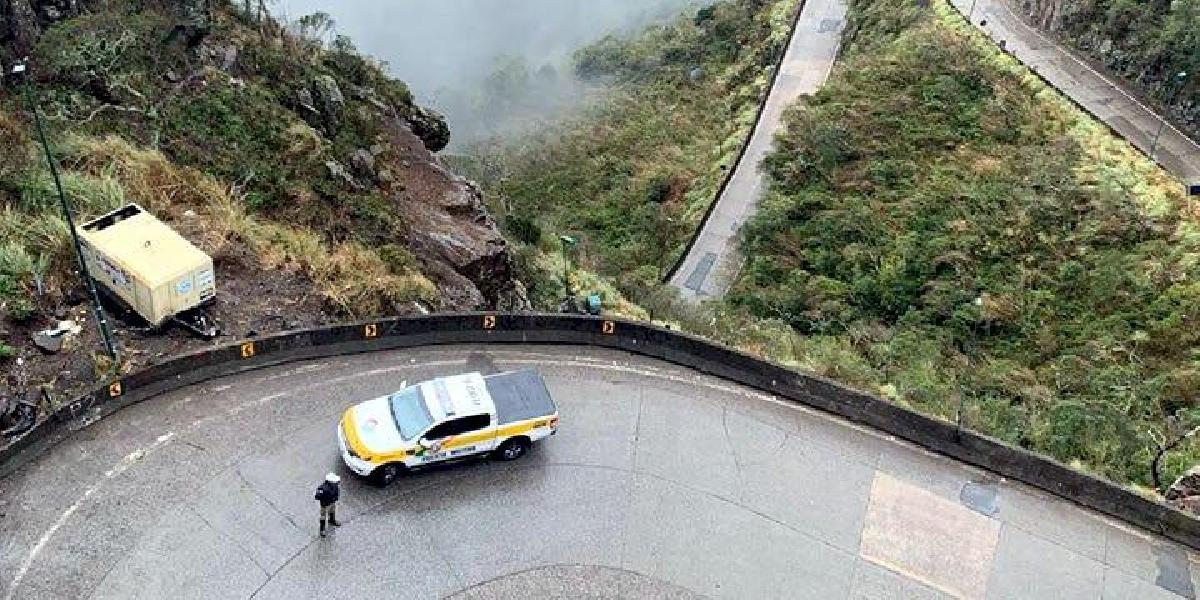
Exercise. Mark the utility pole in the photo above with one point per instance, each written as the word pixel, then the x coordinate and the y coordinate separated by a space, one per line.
pixel 97 310
pixel 1181 79
pixel 568 242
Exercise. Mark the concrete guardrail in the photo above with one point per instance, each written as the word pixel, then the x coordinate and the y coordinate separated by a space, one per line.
pixel 640 338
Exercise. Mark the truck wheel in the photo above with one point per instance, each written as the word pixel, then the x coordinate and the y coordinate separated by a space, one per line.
pixel 513 449
pixel 386 474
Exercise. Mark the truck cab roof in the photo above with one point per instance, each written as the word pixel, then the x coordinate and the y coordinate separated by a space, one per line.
pixel 511 396
pixel 457 396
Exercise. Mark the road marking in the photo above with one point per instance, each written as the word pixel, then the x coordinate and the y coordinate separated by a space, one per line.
pixel 695 281
pixel 122 466
pixel 925 537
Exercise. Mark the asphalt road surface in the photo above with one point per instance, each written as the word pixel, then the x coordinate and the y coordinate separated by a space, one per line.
pixel 712 263
pixel 660 483
pixel 1099 95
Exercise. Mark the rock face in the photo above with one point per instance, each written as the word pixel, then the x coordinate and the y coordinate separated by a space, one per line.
pixel 450 231
pixel 329 103
pixel 362 163
pixel 21 21
pixel 431 128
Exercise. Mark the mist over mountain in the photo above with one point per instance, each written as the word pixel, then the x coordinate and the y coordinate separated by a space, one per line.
pixel 492 66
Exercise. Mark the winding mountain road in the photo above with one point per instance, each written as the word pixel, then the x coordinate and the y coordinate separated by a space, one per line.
pixel 662 483
pixel 1102 97
pixel 713 260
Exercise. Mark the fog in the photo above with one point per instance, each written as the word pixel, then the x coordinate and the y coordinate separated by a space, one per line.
pixel 494 67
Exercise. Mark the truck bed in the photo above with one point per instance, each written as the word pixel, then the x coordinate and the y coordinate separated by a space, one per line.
pixel 519 396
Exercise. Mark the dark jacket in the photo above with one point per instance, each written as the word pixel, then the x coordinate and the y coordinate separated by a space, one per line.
pixel 327 493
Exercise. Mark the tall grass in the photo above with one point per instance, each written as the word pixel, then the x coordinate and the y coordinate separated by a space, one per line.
pixel 101 174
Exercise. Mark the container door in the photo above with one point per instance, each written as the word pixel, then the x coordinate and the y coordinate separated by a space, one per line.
pixel 160 303
pixel 143 300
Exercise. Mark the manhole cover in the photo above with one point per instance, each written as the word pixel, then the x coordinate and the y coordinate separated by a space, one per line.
pixel 575 581
pixel 828 25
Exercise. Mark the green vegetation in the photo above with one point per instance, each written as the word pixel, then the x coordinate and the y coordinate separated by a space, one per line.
pixel 1147 42
pixel 635 175
pixel 241 130
pixel 959 233
pixel 943 231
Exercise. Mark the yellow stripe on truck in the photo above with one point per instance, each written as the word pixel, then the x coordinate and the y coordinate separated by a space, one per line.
pixel 515 429
pixel 459 441
pixel 510 430
pixel 350 430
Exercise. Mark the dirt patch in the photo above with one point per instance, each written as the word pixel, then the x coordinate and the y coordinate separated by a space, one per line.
pixel 250 302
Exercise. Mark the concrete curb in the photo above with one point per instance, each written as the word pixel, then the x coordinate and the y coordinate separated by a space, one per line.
pixel 648 340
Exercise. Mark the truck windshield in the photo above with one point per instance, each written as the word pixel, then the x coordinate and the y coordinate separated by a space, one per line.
pixel 409 412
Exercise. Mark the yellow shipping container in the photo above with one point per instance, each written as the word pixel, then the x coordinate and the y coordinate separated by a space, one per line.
pixel 146 264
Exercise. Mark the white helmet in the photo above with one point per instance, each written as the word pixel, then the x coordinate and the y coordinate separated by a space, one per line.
pixel 332 478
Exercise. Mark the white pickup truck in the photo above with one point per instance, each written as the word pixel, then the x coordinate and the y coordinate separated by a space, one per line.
pixel 444 419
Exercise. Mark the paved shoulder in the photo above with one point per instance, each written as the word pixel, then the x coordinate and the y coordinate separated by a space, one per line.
pixel 713 260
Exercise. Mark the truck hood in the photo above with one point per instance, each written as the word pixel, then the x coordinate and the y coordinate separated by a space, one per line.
pixel 376 430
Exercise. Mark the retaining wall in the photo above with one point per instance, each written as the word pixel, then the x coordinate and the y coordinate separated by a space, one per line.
pixel 640 338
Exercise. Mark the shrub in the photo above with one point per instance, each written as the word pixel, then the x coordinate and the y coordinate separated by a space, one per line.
pixel 638 170
pixel 1015 256
pixel 524 229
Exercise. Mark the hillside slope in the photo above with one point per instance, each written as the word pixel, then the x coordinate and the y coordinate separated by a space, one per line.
pixel 949 232
pixel 634 176
pixel 304 169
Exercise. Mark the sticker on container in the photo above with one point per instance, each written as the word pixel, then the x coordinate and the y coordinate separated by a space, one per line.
pixel 183 287
pixel 116 275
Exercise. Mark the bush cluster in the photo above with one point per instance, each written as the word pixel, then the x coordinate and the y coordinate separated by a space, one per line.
pixel 962 235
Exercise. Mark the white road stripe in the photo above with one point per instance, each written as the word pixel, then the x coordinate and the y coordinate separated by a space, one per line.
pixel 122 466
pixel 523 358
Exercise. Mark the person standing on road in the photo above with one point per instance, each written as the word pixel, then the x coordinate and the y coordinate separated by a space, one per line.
pixel 327 496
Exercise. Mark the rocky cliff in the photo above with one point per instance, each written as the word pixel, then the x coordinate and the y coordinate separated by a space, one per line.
pixel 306 171
pixel 219 86
pixel 1146 43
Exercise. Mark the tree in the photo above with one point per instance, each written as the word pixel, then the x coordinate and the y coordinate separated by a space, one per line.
pixel 315 27
pixel 1174 433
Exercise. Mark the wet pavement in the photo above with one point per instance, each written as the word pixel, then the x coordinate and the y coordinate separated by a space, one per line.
pixel 661 483
pixel 1098 94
